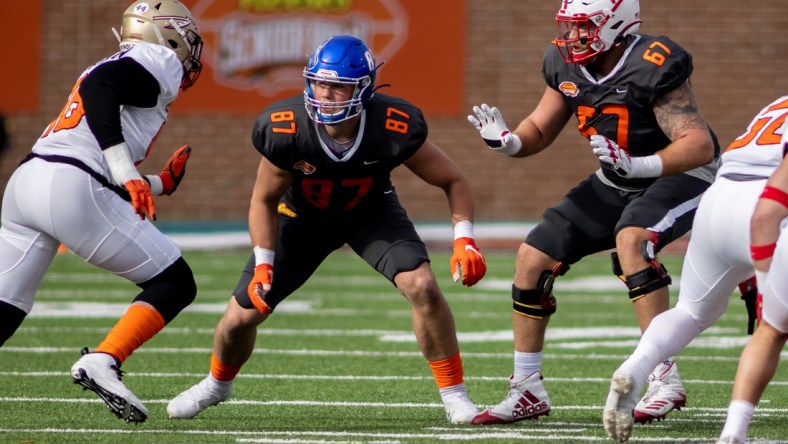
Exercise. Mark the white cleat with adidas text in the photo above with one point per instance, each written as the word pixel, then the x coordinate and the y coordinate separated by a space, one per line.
pixel 527 399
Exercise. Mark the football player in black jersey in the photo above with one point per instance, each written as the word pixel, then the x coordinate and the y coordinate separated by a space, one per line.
pixel 323 182
pixel 631 96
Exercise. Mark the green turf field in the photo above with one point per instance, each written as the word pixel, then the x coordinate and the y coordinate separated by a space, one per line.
pixel 338 362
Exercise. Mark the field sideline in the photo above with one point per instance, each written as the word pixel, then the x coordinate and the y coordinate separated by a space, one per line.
pixel 338 362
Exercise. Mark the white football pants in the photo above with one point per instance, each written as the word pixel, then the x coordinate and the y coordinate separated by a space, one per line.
pixel 48 203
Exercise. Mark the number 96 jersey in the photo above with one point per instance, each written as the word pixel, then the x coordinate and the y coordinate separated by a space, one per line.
pixel 330 186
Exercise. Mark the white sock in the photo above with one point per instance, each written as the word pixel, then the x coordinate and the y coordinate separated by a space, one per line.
pixel 526 364
pixel 222 384
pixel 453 392
pixel 738 419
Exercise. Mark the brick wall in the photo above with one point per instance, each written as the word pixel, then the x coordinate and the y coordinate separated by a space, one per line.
pixel 738 46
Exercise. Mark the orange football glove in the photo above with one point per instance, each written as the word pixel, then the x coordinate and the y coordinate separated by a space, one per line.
pixel 260 285
pixel 141 198
pixel 174 170
pixel 467 262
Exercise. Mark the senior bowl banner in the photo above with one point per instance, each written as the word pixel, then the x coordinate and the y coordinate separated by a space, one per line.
pixel 255 50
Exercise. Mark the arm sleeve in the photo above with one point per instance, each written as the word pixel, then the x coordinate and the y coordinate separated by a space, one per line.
pixel 106 88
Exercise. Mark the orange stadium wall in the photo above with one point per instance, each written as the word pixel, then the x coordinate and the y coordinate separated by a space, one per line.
pixel 443 55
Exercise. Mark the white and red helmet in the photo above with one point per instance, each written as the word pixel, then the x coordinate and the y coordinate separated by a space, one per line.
pixel 604 24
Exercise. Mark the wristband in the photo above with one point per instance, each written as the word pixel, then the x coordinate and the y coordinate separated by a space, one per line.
pixel 775 194
pixel 648 166
pixel 514 146
pixel 463 228
pixel 156 187
pixel 120 164
pixel 758 252
pixel 263 256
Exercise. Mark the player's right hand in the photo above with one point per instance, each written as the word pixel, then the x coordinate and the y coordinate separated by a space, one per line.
pixel 260 285
pixel 141 198
pixel 493 129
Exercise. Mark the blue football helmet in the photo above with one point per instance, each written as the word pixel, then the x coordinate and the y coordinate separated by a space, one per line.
pixel 341 59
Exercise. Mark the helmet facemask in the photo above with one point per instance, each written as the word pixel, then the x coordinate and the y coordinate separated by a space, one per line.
pixel 598 25
pixel 167 23
pixel 345 60
pixel 573 31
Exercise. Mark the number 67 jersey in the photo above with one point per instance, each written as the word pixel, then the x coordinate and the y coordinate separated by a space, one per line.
pixel 328 185
pixel 620 105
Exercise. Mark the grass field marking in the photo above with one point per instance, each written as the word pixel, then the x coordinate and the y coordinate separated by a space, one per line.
pixel 366 353
pixel 392 405
pixel 604 380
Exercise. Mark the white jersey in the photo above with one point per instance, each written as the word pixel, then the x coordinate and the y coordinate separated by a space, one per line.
pixel 47 203
pixel 69 135
pixel 759 150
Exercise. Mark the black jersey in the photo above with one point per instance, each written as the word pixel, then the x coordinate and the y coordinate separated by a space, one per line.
pixel 326 186
pixel 619 106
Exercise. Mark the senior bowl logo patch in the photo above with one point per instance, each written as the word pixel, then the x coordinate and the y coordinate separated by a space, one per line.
pixel 305 167
pixel 569 89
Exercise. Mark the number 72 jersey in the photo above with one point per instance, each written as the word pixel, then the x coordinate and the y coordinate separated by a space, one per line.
pixel 759 151
pixel 330 186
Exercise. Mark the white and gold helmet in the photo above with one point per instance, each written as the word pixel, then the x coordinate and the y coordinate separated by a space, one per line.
pixel 168 23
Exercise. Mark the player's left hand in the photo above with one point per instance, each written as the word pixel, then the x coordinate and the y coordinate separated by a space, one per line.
pixel 610 153
pixel 174 170
pixel 467 262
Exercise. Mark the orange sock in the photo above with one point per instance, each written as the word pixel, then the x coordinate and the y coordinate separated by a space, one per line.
pixel 447 372
pixel 222 371
pixel 140 323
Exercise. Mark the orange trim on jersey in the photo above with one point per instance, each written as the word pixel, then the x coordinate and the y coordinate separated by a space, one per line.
pixel 222 371
pixel 140 323
pixel 447 372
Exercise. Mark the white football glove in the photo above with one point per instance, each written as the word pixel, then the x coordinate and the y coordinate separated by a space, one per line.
pixel 494 131
pixel 629 167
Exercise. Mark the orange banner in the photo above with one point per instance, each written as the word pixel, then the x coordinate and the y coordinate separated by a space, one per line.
pixel 255 50
pixel 20 32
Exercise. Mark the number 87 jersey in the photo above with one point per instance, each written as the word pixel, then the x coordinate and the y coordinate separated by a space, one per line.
pixel 328 185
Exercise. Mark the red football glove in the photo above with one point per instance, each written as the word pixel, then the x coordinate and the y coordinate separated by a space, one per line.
pixel 141 198
pixel 467 262
pixel 174 170
pixel 260 285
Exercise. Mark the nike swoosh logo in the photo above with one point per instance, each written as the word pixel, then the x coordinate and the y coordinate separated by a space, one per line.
pixel 370 162
pixel 388 192
pixel 620 91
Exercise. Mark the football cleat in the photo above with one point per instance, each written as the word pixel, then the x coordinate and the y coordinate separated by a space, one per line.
pixel 199 397
pixel 100 373
pixel 460 410
pixel 618 415
pixel 729 440
pixel 665 393
pixel 527 399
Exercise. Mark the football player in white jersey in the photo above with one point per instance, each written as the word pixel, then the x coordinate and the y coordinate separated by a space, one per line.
pixel 761 355
pixel 80 187
pixel 717 260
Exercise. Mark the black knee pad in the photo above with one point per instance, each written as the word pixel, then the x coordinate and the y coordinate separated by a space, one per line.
pixel 643 282
pixel 171 291
pixel 540 302
pixel 11 318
